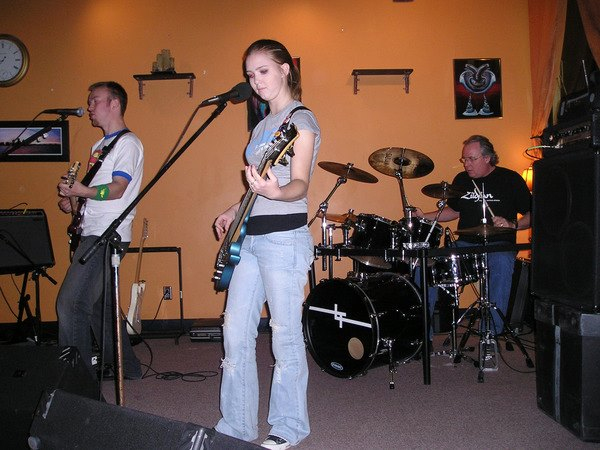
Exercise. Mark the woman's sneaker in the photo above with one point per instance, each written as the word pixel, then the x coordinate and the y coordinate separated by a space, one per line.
pixel 275 443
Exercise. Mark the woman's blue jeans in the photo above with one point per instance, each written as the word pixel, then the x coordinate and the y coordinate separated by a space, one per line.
pixel 272 268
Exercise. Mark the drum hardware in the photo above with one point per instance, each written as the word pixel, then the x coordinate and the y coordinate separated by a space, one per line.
pixel 344 172
pixel 482 309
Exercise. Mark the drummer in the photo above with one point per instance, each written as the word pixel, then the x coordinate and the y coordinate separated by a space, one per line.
pixel 507 195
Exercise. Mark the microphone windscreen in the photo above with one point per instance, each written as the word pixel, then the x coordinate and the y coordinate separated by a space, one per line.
pixel 244 91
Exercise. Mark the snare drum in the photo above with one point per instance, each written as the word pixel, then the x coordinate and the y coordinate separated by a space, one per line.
pixel 374 232
pixel 454 270
pixel 352 324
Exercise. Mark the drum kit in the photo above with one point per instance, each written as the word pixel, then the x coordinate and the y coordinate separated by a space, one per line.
pixel 375 315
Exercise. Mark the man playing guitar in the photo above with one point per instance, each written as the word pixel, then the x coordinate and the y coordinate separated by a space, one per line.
pixel 86 289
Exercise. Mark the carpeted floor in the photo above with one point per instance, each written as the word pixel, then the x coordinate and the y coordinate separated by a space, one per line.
pixel 455 411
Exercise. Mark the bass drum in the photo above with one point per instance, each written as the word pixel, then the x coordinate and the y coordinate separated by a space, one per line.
pixel 353 324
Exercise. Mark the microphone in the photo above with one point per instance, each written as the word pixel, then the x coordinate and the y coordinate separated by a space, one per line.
pixel 240 93
pixel 65 112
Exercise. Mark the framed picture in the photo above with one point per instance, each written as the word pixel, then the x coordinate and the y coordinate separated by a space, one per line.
pixel 52 144
pixel 477 88
pixel 257 108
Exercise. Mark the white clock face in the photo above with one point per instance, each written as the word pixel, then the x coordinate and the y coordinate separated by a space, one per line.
pixel 12 60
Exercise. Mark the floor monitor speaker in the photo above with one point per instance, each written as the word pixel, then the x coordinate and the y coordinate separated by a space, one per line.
pixel 63 420
pixel 26 371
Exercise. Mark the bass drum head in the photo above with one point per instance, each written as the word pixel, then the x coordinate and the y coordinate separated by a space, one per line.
pixel 350 323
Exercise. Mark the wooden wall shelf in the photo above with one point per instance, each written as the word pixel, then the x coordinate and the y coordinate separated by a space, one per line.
pixel 404 72
pixel 141 78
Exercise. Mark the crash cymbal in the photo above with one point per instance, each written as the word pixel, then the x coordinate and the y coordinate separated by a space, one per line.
pixel 442 190
pixel 339 218
pixel 348 171
pixel 410 163
pixel 484 231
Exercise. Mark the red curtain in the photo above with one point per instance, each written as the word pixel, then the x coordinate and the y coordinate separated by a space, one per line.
pixel 546 34
pixel 590 16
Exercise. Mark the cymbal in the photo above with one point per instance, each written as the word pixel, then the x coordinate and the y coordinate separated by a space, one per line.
pixel 339 218
pixel 348 171
pixel 410 163
pixel 485 231
pixel 442 190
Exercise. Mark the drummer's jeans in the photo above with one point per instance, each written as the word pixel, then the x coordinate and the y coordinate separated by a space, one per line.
pixel 273 267
pixel 501 266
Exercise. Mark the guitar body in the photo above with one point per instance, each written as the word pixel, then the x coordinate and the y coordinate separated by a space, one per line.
pixel 229 253
pixel 74 228
pixel 233 254
pixel 134 316
pixel 134 319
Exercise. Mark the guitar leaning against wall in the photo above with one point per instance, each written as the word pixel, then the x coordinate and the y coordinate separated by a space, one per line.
pixel 134 319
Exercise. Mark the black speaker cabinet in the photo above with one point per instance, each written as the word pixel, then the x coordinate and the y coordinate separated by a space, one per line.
pixel 63 420
pixel 24 240
pixel 567 353
pixel 26 371
pixel 566 229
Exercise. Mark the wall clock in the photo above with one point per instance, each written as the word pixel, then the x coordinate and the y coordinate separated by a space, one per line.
pixel 14 60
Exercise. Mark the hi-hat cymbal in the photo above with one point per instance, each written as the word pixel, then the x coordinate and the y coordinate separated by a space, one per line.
pixel 442 190
pixel 484 231
pixel 348 171
pixel 339 218
pixel 393 160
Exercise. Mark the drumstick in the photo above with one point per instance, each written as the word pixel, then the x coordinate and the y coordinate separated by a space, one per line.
pixel 483 199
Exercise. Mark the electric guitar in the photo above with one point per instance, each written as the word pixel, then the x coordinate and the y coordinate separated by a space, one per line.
pixel 134 320
pixel 229 253
pixel 74 230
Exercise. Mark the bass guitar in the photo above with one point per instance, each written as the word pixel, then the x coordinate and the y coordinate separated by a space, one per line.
pixel 229 253
pixel 134 320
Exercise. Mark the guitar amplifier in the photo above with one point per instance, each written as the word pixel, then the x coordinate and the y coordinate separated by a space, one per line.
pixel 207 330
pixel 24 241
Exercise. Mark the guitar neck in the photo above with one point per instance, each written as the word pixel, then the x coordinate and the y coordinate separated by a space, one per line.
pixel 143 238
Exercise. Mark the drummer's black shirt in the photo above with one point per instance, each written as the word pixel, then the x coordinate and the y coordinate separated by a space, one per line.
pixel 506 194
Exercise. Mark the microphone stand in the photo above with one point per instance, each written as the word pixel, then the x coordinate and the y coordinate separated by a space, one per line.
pixel 32 138
pixel 112 237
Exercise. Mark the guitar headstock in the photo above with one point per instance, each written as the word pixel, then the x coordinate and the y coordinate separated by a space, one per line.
pixel 283 144
pixel 72 174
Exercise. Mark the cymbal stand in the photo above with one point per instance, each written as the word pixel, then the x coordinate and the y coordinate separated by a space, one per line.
pixel 455 294
pixel 322 211
pixel 406 206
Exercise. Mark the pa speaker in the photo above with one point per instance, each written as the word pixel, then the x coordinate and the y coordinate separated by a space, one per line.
pixel 64 420
pixel 24 241
pixel 25 373
pixel 567 353
pixel 566 229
